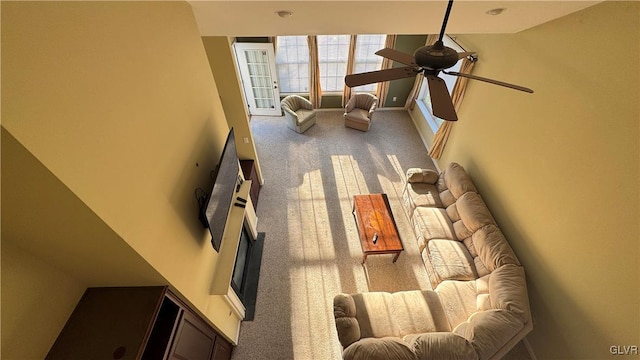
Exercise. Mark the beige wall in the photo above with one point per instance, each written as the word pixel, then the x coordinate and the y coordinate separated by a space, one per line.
pixel 559 169
pixel 37 299
pixel 117 101
pixel 53 247
pixel 223 66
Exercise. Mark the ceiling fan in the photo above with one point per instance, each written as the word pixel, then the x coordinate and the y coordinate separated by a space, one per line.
pixel 429 61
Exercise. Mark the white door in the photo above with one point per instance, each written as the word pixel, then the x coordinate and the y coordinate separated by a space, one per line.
pixel 259 79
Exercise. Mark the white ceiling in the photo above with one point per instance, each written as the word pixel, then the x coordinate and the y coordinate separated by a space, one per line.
pixel 258 18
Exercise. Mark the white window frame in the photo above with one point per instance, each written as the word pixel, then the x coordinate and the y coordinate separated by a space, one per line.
pixel 424 100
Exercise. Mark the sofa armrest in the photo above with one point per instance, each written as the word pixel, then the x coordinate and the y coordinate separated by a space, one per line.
pixel 417 175
pixel 344 311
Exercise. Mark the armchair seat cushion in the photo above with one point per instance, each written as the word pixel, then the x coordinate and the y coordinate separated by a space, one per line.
pixel 358 115
pixel 305 115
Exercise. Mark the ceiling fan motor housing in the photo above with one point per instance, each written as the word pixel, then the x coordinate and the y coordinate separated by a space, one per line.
pixel 436 56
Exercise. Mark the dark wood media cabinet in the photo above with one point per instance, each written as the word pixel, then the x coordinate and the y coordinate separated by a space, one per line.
pixel 250 173
pixel 146 323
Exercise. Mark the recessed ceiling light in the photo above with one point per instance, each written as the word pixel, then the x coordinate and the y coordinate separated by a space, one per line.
pixel 496 11
pixel 284 13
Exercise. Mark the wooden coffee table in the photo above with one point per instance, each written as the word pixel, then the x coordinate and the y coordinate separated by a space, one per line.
pixel 375 221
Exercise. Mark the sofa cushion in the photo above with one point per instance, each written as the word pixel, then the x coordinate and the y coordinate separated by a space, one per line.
pixel 474 214
pixel 374 312
pixel 441 345
pixel 451 260
pixel 431 223
pixel 419 311
pixel 458 300
pixel 420 194
pixel 452 212
pixel 508 290
pixel 387 348
pixel 488 331
pixel 493 249
pixel 457 180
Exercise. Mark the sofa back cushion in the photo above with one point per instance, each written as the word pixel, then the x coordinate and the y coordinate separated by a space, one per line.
pixel 453 183
pixel 492 248
pixel 508 291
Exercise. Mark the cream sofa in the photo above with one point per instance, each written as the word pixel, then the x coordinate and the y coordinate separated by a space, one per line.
pixel 478 308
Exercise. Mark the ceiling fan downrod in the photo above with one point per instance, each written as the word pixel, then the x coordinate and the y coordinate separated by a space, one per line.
pixel 446 19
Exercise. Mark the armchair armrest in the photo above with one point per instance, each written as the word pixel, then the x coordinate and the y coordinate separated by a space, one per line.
pixel 290 112
pixel 351 104
pixel 417 175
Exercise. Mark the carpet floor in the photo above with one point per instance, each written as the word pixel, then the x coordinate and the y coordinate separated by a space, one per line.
pixel 311 250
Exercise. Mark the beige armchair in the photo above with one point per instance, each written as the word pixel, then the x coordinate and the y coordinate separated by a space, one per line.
pixel 359 110
pixel 298 112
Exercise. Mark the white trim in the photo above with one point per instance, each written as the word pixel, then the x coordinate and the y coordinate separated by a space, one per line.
pixel 234 303
pixel 529 348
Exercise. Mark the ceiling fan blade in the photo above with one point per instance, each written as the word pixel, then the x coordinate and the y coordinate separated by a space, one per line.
pixel 440 99
pixel 491 81
pixel 462 55
pixel 371 77
pixel 398 56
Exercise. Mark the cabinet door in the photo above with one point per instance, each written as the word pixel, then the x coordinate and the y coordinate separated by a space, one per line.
pixel 109 323
pixel 194 340
pixel 222 349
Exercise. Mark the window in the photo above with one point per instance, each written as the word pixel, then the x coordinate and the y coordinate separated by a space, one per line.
pixel 365 58
pixel 333 51
pixel 424 98
pixel 292 64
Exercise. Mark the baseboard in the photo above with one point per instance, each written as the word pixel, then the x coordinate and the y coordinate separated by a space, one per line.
pixel 529 348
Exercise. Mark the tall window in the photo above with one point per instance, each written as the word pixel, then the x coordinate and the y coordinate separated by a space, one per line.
pixel 333 51
pixel 292 64
pixel 365 58
pixel 424 97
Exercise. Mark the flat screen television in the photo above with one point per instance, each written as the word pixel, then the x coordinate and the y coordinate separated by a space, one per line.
pixel 224 188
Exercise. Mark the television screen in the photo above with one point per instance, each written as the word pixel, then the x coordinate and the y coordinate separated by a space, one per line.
pixel 224 188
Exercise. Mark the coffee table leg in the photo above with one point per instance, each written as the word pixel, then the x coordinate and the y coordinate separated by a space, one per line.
pixel 396 257
pixel 364 258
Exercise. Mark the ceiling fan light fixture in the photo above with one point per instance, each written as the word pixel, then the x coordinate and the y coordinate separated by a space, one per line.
pixel 496 11
pixel 284 13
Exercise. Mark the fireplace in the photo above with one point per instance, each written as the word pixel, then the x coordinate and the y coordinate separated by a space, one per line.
pixel 246 270
pixel 239 277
